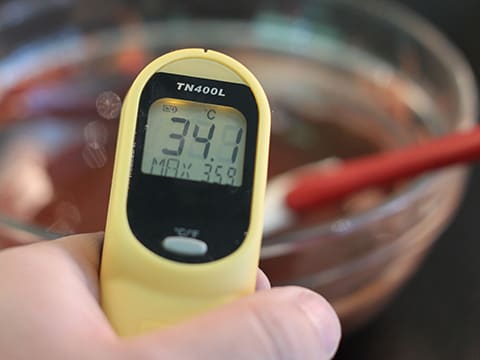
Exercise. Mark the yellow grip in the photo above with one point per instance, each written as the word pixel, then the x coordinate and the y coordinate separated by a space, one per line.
pixel 141 290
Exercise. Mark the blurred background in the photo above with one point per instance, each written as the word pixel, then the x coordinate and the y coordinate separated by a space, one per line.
pixel 437 314
pixel 345 79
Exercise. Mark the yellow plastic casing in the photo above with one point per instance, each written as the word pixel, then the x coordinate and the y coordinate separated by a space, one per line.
pixel 142 291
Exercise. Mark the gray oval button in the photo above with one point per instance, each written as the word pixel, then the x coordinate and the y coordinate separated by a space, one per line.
pixel 185 246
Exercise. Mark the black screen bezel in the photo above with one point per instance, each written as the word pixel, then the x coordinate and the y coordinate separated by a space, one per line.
pixel 157 205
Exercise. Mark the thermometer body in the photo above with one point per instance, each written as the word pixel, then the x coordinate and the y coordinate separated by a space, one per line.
pixel 186 206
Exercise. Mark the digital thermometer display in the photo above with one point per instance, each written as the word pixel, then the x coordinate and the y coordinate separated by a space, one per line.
pixel 184 224
pixel 195 141
pixel 193 167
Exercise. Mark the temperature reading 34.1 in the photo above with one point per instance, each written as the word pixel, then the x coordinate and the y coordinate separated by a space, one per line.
pixel 198 142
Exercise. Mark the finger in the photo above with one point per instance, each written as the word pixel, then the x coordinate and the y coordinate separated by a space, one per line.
pixel 263 283
pixel 84 250
pixel 50 291
pixel 283 323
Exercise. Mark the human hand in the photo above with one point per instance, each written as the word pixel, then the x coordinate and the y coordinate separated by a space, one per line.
pixel 49 310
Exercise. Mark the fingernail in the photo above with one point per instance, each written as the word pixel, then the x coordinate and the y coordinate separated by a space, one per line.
pixel 324 318
pixel 263 283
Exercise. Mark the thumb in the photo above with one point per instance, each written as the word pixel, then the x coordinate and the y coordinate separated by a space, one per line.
pixel 283 323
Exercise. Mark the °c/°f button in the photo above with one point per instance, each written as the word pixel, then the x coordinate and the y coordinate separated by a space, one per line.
pixel 185 246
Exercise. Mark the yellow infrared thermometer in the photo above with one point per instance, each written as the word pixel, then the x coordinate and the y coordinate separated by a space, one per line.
pixel 186 206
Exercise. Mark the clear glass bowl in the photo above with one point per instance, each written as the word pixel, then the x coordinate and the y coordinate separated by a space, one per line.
pixel 344 78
